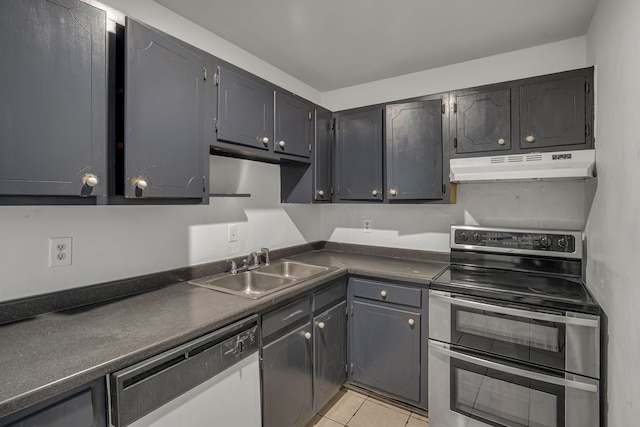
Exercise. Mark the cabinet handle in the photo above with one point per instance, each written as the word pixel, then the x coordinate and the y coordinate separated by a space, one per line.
pixel 90 180
pixel 383 294
pixel 321 325
pixel 281 144
pixel 265 140
pixel 307 335
pixel 501 141
pixel 140 183
pixel 320 193
pixel 374 193
pixel 530 138
pixel 393 191
pixel 411 322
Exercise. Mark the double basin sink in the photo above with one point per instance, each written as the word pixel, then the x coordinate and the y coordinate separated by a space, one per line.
pixel 262 281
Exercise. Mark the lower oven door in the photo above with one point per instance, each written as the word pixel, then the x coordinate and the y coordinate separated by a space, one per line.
pixel 473 391
pixel 560 340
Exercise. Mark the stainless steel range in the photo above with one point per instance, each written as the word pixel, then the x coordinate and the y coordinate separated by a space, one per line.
pixel 514 336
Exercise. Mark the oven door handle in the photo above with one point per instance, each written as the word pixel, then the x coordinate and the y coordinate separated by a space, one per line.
pixel 446 350
pixel 592 322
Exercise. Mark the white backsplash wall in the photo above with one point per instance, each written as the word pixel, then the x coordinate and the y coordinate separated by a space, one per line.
pixel 613 226
pixel 115 242
pixel 541 204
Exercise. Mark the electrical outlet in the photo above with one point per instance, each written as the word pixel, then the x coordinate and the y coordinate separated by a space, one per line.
pixel 366 225
pixel 233 232
pixel 59 251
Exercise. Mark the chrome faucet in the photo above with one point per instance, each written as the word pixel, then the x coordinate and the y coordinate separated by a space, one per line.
pixel 265 252
pixel 233 268
pixel 255 261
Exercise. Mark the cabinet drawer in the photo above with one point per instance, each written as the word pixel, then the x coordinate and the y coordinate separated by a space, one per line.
pixel 380 291
pixel 335 291
pixel 285 316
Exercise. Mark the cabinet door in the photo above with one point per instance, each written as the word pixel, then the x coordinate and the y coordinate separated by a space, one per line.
pixel 293 125
pixel 359 156
pixel 164 118
pixel 385 349
pixel 323 161
pixel 414 151
pixel 53 102
pixel 553 113
pixel 329 352
pixel 245 110
pixel 287 379
pixel 483 121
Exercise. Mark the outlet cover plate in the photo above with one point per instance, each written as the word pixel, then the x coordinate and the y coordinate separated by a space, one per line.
pixel 233 232
pixel 60 251
pixel 367 224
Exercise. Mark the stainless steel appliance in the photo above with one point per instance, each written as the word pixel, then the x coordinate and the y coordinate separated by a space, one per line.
pixel 213 380
pixel 514 335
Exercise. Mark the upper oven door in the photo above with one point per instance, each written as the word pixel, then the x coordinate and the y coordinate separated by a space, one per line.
pixel 561 340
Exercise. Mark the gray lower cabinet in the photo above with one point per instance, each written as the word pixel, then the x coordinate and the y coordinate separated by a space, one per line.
pixel 287 379
pixel 413 151
pixel 359 156
pixel 84 406
pixel 245 110
pixel 53 107
pixel 165 145
pixel 293 124
pixel 329 354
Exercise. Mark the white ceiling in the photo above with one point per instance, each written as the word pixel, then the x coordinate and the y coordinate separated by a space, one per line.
pixel 331 44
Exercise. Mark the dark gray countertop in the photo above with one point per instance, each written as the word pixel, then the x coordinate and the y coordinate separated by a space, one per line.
pixel 52 353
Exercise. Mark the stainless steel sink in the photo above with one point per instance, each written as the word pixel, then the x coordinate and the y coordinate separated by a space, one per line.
pixel 263 281
pixel 293 269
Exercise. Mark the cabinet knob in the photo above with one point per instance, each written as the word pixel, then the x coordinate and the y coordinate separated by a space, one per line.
pixel 321 325
pixel 374 192
pixel 530 138
pixel 411 322
pixel 393 191
pixel 90 180
pixel 320 193
pixel 383 294
pixel 281 144
pixel 265 140
pixel 502 141
pixel 140 183
pixel 307 335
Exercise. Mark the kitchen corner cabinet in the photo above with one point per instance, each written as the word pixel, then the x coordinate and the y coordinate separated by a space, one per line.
pixel 387 330
pixel 245 110
pixel 53 107
pixel 323 156
pixel 414 146
pixel 359 155
pixel 293 124
pixel 165 141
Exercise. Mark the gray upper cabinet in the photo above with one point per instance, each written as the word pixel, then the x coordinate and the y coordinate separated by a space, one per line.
pixel 553 113
pixel 323 156
pixel 53 107
pixel 293 121
pixel 482 121
pixel 245 110
pixel 165 135
pixel 359 156
pixel 414 147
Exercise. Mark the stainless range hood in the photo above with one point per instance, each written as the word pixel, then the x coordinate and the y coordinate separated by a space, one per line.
pixel 532 166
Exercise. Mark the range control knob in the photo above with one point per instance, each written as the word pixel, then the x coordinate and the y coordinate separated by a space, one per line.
pixel 545 242
pixel 463 236
pixel 477 237
pixel 562 242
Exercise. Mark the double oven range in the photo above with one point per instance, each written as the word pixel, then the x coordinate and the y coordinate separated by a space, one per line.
pixel 514 335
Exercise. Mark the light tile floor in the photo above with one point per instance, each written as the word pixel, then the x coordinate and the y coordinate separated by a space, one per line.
pixel 352 409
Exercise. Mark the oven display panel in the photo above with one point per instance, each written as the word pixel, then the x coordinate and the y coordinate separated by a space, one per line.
pixel 510 240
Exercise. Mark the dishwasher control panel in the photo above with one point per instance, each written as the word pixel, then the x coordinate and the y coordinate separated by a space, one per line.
pixel 244 342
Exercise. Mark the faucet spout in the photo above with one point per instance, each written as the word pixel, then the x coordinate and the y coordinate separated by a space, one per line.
pixel 265 252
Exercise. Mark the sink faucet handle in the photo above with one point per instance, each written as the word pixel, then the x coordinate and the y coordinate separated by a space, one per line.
pixel 265 252
pixel 234 267
pixel 253 257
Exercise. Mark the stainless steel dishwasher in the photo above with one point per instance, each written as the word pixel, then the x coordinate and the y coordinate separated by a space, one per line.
pixel 213 380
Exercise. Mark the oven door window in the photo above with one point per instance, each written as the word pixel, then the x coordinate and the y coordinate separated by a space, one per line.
pixel 500 399
pixel 515 337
